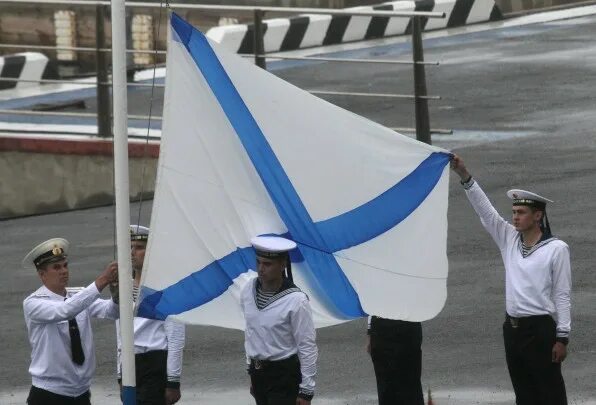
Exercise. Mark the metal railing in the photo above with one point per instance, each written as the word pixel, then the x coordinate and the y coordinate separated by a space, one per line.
pixel 420 96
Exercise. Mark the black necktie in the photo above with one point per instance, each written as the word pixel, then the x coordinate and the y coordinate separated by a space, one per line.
pixel 78 357
pixel 75 342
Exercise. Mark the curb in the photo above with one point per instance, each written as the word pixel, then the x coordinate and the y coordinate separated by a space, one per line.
pixel 81 147
pixel 25 66
pixel 43 174
pixel 516 8
pixel 304 31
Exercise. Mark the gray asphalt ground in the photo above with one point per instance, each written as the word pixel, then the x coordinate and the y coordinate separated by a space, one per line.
pixel 521 104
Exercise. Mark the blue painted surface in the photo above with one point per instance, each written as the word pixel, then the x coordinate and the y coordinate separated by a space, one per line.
pixel 129 395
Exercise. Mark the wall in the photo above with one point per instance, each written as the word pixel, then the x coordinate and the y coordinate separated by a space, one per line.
pixel 43 175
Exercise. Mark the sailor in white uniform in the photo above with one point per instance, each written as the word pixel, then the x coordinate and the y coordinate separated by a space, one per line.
pixel 538 289
pixel 280 334
pixel 58 321
pixel 158 344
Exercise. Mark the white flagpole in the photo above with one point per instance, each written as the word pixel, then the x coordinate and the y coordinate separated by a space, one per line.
pixel 121 182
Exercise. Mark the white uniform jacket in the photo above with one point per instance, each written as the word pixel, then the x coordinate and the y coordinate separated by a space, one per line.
pixel 46 316
pixel 537 284
pixel 281 329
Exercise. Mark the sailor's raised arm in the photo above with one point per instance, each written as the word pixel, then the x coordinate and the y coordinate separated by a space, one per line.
pixel 498 228
pixel 106 308
pixel 108 276
pixel 39 308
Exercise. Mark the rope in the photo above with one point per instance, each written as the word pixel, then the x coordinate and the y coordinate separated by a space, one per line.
pixel 146 147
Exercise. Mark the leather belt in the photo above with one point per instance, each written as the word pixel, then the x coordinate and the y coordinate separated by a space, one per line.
pixel 258 364
pixel 526 320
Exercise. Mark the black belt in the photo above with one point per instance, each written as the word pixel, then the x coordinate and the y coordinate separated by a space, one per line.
pixel 256 364
pixel 526 320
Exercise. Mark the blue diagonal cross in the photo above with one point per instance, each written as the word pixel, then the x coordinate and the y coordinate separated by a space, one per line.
pixel 317 241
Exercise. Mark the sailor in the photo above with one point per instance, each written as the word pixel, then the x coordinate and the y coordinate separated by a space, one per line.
pixel 158 344
pixel 537 289
pixel 279 335
pixel 59 327
pixel 396 353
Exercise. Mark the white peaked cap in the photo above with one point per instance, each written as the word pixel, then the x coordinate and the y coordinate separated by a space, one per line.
pixel 50 250
pixel 272 245
pixel 139 232
pixel 521 195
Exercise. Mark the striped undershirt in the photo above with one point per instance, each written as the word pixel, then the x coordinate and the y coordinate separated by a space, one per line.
pixel 135 293
pixel 526 249
pixel 263 297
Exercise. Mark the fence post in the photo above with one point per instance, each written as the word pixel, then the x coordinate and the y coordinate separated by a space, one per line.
pixel 420 103
pixel 259 46
pixel 104 116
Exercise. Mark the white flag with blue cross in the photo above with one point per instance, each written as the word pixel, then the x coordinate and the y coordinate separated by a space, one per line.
pixel 245 153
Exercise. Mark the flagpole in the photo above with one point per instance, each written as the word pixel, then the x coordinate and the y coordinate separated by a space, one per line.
pixel 121 182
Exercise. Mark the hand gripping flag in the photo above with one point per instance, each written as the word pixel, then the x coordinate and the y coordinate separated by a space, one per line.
pixel 244 153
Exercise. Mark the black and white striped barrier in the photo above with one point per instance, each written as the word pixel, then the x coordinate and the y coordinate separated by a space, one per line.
pixel 29 66
pixel 303 31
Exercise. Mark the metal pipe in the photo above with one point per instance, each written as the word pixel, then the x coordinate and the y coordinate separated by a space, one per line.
pixel 420 100
pixel 74 48
pixel 290 10
pixel 348 60
pixel 90 83
pixel 258 42
pixel 322 92
pixel 49 81
pixel 70 114
pixel 433 130
pixel 385 95
pixel 48 113
pixel 104 116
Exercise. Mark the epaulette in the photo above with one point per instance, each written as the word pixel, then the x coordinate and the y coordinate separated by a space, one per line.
pixel 74 290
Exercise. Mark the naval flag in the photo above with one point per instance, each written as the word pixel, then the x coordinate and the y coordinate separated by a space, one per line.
pixel 245 153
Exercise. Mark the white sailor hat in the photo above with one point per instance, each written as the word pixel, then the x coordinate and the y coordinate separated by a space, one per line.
pixel 50 251
pixel 523 197
pixel 272 246
pixel 139 232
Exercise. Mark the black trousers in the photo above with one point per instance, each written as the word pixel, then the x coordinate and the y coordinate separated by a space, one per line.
pixel 38 396
pixel 397 359
pixel 151 370
pixel 276 382
pixel 528 348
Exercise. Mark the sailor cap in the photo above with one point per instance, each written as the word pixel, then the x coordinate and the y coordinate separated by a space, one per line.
pixel 272 246
pixel 523 197
pixel 50 251
pixel 139 232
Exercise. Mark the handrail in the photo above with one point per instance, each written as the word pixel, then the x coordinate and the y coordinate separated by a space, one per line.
pixel 244 55
pixel 346 60
pixel 292 10
pixel 76 48
pixel 69 114
pixel 420 96
pixel 381 95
